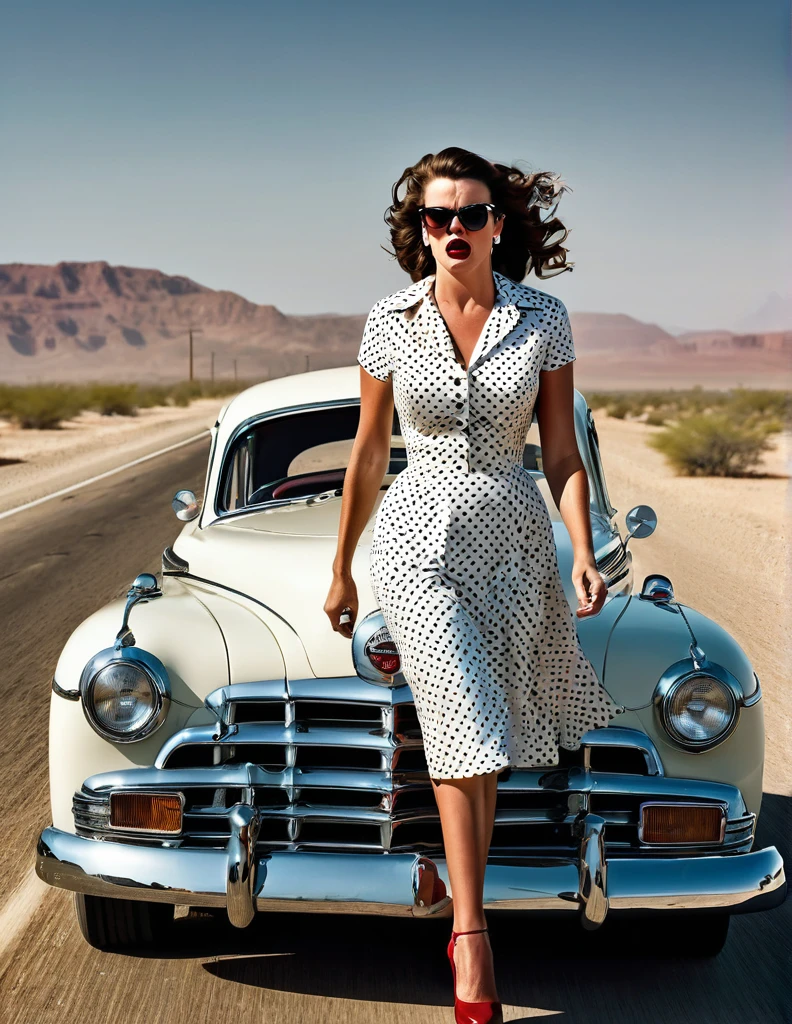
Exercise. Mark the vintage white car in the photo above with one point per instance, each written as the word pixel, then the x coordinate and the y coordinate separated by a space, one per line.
pixel 214 743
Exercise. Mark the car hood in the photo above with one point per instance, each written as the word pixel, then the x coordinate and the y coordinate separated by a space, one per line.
pixel 282 562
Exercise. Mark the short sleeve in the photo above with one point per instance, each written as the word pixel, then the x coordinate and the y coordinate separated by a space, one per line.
pixel 374 355
pixel 561 347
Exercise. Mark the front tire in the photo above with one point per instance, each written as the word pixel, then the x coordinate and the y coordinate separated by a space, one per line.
pixel 111 924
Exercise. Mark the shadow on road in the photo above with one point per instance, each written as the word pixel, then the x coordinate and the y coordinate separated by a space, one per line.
pixel 625 970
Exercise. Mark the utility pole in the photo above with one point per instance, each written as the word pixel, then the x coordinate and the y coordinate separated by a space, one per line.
pixel 193 330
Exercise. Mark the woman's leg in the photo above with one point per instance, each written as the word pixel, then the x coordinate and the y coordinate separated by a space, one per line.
pixel 467 812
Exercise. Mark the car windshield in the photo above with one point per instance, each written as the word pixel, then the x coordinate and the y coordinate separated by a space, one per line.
pixel 297 455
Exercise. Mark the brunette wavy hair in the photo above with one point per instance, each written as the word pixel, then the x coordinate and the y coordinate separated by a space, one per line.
pixel 527 243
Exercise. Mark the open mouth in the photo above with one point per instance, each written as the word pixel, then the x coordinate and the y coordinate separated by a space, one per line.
pixel 458 249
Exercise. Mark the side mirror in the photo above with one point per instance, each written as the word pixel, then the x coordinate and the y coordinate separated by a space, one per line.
pixel 185 505
pixel 641 521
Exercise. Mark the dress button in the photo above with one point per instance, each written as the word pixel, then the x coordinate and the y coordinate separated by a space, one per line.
pixel 460 405
pixel 457 381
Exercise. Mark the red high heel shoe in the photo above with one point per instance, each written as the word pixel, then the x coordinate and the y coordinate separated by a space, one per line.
pixel 472 1013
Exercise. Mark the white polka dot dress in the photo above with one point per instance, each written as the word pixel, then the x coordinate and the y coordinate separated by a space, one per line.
pixel 463 561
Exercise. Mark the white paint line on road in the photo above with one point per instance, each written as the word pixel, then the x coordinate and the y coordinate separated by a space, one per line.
pixel 101 476
pixel 20 907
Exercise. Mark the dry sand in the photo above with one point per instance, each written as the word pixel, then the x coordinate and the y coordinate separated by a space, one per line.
pixel 723 542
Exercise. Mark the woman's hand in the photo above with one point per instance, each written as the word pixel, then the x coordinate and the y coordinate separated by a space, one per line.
pixel 342 600
pixel 590 587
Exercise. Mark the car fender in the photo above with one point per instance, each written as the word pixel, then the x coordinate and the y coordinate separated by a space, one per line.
pixel 190 639
pixel 632 648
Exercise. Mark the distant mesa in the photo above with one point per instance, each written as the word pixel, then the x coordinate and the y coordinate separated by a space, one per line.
pixel 174 285
pixel 92 320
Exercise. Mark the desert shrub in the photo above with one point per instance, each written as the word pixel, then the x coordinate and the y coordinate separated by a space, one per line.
pixel 221 388
pixel 112 399
pixel 185 391
pixel 43 406
pixel 746 404
pixel 715 444
pixel 46 406
pixel 6 393
pixel 620 408
pixel 150 395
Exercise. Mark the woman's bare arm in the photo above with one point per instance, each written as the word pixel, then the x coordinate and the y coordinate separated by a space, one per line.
pixel 568 482
pixel 368 463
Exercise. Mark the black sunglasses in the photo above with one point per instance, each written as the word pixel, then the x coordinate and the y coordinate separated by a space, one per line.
pixel 472 218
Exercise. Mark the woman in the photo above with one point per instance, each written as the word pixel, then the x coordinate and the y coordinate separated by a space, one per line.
pixel 463 560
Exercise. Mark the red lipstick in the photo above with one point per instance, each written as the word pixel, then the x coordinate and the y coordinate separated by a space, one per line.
pixel 458 249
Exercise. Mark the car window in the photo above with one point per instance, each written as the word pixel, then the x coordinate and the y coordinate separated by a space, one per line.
pixel 301 454
pixel 295 455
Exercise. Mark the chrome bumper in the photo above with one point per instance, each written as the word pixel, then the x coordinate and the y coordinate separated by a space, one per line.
pixel 405 884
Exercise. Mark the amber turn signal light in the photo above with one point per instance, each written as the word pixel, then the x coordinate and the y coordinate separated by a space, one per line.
pixel 682 823
pixel 147 812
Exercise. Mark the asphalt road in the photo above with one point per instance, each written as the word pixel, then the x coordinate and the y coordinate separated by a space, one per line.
pixel 65 558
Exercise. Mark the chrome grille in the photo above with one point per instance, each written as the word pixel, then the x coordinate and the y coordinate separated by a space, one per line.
pixel 350 774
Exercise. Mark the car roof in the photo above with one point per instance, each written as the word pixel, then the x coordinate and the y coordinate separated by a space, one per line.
pixel 339 382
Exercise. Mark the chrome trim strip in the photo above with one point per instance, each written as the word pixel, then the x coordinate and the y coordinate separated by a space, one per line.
pixel 622 736
pixel 755 697
pixel 173 564
pixel 345 689
pixel 383 883
pixel 238 775
pixel 294 735
pixel 66 694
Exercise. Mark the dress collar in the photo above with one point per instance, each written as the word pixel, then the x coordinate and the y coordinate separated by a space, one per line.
pixel 508 293
pixel 510 298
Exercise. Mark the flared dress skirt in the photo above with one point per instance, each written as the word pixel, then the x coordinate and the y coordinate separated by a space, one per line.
pixel 463 562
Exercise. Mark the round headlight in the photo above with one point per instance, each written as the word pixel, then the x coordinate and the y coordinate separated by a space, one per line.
pixel 699 710
pixel 124 697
